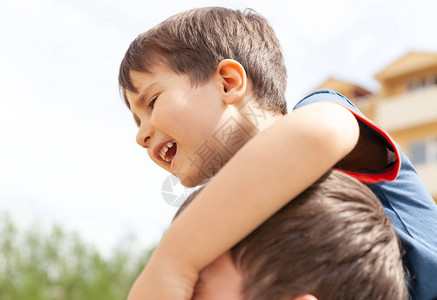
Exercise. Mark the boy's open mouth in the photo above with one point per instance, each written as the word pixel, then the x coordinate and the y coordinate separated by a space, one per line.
pixel 168 151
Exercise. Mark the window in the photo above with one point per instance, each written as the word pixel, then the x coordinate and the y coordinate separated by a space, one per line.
pixel 416 84
pixel 422 82
pixel 431 80
pixel 424 151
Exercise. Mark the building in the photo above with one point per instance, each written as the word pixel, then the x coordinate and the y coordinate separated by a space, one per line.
pixel 405 106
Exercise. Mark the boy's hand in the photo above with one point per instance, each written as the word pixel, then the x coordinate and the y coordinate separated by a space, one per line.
pixel 163 279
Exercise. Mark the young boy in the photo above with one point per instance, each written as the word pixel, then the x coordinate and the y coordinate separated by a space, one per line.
pixel 333 241
pixel 206 88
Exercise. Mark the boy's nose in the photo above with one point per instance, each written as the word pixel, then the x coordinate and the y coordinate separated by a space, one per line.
pixel 143 138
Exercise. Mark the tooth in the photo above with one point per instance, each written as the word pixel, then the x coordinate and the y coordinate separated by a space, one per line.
pixel 164 150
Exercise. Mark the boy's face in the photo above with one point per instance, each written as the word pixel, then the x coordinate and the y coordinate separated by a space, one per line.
pixel 179 130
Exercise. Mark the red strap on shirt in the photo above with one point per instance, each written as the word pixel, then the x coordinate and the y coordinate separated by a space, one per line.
pixel 389 174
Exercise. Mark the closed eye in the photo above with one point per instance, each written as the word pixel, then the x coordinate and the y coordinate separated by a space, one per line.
pixel 198 290
pixel 152 101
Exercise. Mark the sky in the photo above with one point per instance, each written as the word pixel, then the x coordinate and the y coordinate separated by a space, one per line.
pixel 67 142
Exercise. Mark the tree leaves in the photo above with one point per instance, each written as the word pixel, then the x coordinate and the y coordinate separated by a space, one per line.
pixel 60 265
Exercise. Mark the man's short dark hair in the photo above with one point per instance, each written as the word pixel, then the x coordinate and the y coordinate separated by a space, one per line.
pixel 333 241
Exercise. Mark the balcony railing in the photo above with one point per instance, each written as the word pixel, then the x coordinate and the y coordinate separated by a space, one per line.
pixel 408 110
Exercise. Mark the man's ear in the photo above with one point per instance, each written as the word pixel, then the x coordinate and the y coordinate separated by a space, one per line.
pixel 305 297
pixel 233 80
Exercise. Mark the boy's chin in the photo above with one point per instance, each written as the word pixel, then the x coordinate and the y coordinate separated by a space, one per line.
pixel 190 181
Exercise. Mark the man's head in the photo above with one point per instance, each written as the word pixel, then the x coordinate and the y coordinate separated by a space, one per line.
pixel 331 242
pixel 200 85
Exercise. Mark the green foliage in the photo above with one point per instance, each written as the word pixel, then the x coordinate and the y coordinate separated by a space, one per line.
pixel 59 265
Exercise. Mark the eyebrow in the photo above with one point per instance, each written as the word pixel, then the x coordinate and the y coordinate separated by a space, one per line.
pixel 139 100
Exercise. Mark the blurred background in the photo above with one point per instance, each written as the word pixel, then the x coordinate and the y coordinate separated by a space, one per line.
pixel 81 205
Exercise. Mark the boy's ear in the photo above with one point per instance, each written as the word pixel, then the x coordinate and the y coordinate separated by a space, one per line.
pixel 233 79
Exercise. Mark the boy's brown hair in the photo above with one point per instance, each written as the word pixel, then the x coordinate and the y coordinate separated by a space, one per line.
pixel 194 42
pixel 333 241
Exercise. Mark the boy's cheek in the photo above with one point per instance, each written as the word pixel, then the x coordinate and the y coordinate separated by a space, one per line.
pixel 164 121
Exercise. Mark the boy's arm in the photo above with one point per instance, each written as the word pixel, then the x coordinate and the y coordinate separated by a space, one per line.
pixel 274 167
